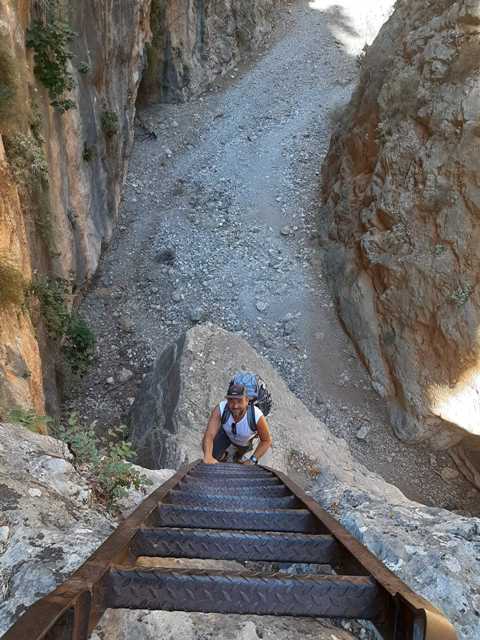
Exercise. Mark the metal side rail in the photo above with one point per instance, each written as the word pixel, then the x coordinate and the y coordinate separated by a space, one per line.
pixel 231 512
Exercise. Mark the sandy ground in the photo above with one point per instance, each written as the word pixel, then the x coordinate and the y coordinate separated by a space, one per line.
pixel 221 222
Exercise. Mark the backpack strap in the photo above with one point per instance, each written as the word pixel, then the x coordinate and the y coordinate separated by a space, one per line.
pixel 225 415
pixel 251 417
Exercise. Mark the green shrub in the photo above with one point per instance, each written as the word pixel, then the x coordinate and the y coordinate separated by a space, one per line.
pixel 30 420
pixel 109 121
pixel 104 461
pixel 30 168
pixel 88 153
pixel 49 40
pixel 79 345
pixel 12 285
pixel 461 294
pixel 27 159
pixel 83 67
pixel 78 341
pixel 51 294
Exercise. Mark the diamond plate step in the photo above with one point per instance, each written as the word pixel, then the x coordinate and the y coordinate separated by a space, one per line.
pixel 296 520
pixel 243 502
pixel 320 596
pixel 242 472
pixel 233 482
pixel 232 490
pixel 236 545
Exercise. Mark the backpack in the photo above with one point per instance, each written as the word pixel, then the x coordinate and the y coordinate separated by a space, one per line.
pixel 258 395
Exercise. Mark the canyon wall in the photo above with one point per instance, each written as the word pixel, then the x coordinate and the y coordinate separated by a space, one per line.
pixel 61 174
pixel 195 41
pixel 401 189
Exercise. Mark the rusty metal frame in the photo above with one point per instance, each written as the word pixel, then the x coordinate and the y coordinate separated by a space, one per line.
pixel 72 611
pixel 413 617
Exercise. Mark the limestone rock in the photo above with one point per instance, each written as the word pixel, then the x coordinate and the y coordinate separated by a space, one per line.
pixel 195 42
pixel 401 189
pixel 50 527
pixel 177 625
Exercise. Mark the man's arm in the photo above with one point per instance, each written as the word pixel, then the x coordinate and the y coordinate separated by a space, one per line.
pixel 211 431
pixel 265 438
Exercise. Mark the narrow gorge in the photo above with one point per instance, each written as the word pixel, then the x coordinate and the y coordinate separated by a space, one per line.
pixel 191 188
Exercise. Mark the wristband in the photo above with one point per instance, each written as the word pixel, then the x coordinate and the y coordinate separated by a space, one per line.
pixel 254 459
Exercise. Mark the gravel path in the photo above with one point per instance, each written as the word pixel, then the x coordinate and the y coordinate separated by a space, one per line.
pixel 220 222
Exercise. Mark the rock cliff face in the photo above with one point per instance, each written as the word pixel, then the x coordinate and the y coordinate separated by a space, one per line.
pixel 401 187
pixel 79 157
pixel 195 41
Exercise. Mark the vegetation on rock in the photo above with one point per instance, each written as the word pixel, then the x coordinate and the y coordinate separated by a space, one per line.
pixel 49 40
pixel 78 341
pixel 30 420
pixel 104 461
pixel 109 121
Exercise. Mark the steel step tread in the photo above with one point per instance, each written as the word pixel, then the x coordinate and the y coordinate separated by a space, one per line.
pixel 236 545
pixel 217 480
pixel 243 471
pixel 239 490
pixel 221 501
pixel 177 590
pixel 295 520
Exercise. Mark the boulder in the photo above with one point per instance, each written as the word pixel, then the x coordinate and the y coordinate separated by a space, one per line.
pixel 401 195
pixel 190 378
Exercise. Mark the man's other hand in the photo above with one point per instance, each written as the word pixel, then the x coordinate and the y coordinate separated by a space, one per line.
pixel 209 460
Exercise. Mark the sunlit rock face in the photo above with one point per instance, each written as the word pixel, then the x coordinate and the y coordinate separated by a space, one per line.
pixel 195 41
pixel 401 187
pixel 86 168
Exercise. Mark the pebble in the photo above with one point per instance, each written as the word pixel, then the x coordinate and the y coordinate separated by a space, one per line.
pixel 362 433
pixel 285 231
pixel 127 325
pixel 124 375
pixel 448 473
pixel 196 314
pixel 177 296
pixel 110 380
pixel 4 534
pixel 34 493
pixel 261 305
pixel 166 256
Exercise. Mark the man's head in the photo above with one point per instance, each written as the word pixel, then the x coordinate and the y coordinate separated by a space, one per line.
pixel 237 400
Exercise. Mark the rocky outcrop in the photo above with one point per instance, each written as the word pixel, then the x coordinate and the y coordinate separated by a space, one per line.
pixel 432 550
pixel 195 41
pixel 62 175
pixel 401 189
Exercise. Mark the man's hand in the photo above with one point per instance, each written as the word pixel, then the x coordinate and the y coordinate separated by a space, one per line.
pixel 248 461
pixel 209 460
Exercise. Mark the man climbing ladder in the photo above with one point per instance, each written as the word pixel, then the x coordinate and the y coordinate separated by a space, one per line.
pixel 236 420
